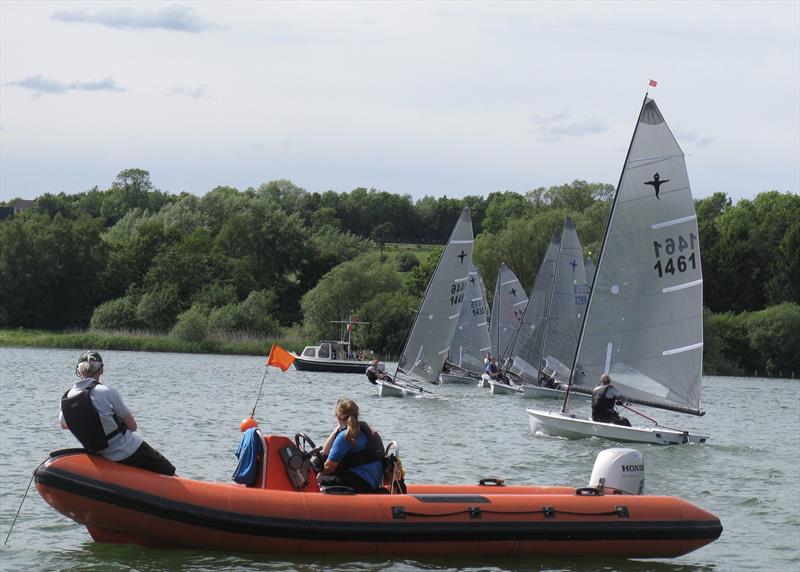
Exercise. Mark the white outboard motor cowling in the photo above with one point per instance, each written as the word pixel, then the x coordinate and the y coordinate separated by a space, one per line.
pixel 619 469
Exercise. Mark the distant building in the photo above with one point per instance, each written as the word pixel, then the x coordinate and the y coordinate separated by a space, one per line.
pixel 15 207
pixel 20 205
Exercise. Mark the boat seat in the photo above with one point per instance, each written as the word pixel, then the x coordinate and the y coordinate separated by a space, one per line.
pixel 273 474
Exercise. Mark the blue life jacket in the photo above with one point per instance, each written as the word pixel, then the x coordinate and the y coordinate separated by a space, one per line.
pixel 250 447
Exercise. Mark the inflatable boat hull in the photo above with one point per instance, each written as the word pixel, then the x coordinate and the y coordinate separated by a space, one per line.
pixel 121 504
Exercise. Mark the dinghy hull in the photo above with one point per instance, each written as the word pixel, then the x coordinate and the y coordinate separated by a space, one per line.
pixel 539 392
pixel 504 388
pixel 122 504
pixel 451 378
pixel 571 426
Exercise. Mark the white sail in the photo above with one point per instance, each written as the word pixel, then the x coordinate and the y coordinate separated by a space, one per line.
pixel 527 349
pixel 508 306
pixel 644 322
pixel 471 337
pixel 429 340
pixel 567 306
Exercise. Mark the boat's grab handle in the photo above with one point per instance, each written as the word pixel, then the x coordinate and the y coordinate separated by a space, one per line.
pixel 492 481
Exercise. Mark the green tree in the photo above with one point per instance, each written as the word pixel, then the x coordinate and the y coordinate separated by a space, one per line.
pixel 158 308
pixel 49 270
pixel 708 211
pixel 343 289
pixel 191 325
pixel 784 284
pixel 774 336
pixel 521 245
pixel 503 207
pixel 406 261
pixel 116 314
pixel 416 282
pixel 186 265
pixel 131 189
pixel 390 315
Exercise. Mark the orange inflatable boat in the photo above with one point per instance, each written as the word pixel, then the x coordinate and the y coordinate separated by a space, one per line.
pixel 122 504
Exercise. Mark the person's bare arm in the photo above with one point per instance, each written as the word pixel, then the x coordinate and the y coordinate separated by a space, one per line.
pixel 130 422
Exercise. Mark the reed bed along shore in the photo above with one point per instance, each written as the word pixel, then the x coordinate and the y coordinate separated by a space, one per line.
pixel 233 344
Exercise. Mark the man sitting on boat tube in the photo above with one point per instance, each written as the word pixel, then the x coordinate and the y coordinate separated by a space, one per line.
pixel 353 453
pixel 100 420
pixel 604 396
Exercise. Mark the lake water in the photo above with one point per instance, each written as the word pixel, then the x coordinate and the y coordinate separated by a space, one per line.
pixel 189 407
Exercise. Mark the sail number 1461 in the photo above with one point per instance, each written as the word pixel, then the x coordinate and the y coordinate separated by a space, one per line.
pixel 674 259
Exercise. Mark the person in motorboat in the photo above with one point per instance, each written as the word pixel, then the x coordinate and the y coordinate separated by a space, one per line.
pixel 604 397
pixel 353 452
pixel 100 420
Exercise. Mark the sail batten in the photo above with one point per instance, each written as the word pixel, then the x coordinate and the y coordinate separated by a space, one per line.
pixel 681 286
pixel 683 349
pixel 665 224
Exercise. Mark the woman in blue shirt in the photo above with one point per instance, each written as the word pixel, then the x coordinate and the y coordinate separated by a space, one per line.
pixel 353 453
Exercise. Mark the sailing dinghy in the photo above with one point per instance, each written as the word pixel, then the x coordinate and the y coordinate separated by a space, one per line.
pixel 471 337
pixel 428 342
pixel 644 319
pixel 562 320
pixel 508 307
pixel 526 349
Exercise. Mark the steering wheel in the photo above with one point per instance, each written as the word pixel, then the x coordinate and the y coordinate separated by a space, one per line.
pixel 304 443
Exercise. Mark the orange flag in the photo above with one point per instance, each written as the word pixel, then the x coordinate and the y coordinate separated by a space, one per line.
pixel 279 357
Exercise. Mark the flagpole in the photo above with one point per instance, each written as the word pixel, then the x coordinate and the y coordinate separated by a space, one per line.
pixel 258 395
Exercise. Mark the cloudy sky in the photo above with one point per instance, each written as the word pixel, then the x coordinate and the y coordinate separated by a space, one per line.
pixel 421 98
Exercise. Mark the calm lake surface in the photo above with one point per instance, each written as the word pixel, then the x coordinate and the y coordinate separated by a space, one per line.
pixel 189 407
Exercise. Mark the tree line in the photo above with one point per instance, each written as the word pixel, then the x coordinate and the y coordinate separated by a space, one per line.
pixel 132 257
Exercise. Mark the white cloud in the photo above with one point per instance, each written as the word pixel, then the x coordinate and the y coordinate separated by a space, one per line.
pixel 691 135
pixel 197 92
pixel 551 129
pixel 41 85
pixel 175 17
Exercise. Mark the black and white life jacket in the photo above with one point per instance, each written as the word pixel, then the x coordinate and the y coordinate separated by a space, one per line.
pixel 84 422
pixel 600 403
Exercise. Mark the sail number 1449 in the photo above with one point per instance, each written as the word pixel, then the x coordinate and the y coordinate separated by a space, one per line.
pixel 675 255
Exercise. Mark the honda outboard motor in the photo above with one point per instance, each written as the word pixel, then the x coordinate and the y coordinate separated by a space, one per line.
pixel 619 469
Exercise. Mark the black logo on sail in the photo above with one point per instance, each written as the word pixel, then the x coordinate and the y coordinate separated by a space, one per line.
pixel 656 183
